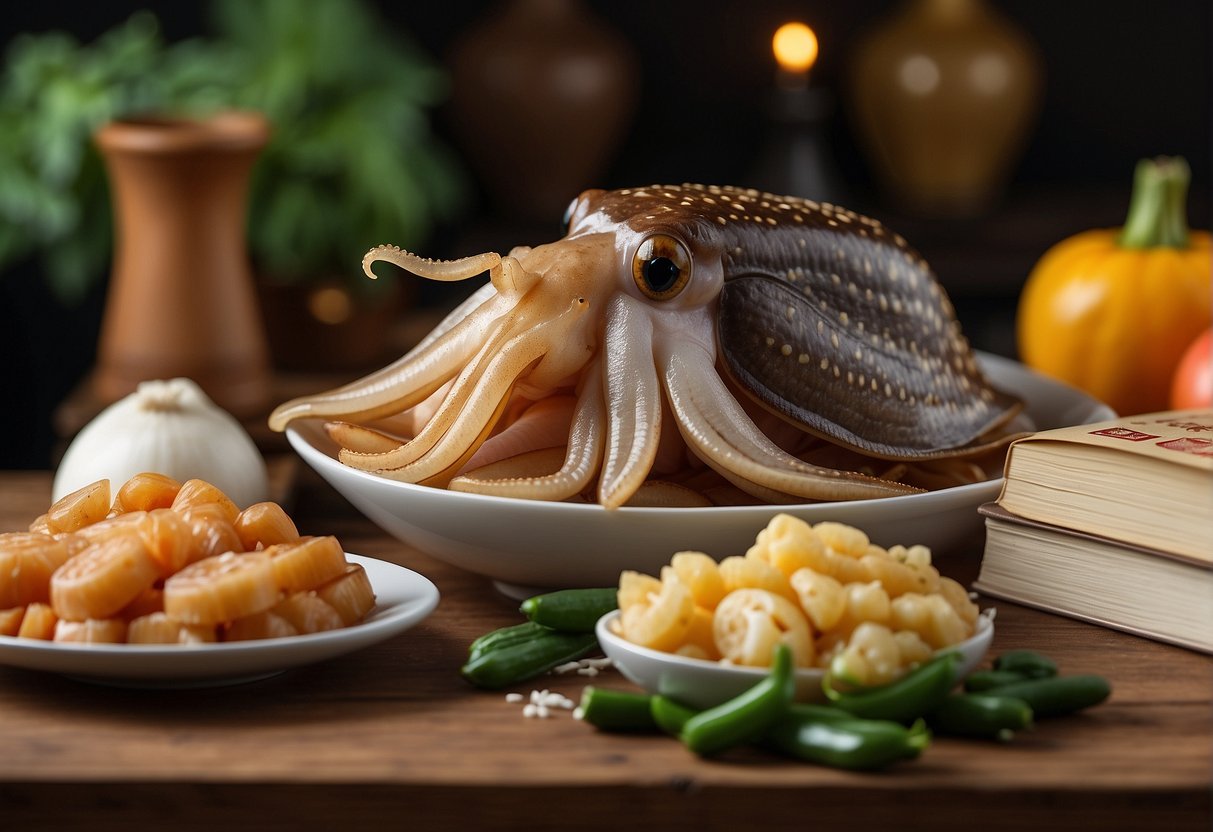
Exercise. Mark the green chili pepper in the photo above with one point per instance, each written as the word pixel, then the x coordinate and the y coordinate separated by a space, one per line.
pixel 506 636
pixel 617 710
pixel 982 716
pixel 847 742
pixel 670 716
pixel 1029 663
pixel 1059 695
pixel 914 695
pixel 805 710
pixel 497 667
pixel 746 717
pixel 983 680
pixel 571 610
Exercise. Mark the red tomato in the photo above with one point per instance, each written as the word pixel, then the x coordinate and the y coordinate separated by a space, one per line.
pixel 1193 382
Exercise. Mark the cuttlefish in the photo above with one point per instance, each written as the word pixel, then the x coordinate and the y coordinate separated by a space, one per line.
pixel 797 349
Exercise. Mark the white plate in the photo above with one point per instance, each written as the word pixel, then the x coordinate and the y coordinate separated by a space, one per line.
pixel 402 599
pixel 534 545
pixel 703 684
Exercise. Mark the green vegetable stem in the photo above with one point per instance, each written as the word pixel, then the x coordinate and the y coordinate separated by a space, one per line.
pixel 746 717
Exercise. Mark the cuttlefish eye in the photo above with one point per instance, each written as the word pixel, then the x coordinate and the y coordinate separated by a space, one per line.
pixel 661 267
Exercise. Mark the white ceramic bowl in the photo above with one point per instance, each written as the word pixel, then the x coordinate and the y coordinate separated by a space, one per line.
pixel 704 684
pixel 526 545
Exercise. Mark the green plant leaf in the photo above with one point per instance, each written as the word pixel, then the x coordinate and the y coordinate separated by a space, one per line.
pixel 351 161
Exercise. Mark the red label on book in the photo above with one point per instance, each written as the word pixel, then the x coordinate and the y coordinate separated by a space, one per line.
pixel 1189 445
pixel 1124 433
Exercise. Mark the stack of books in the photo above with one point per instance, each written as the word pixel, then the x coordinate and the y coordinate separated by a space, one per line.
pixel 1110 523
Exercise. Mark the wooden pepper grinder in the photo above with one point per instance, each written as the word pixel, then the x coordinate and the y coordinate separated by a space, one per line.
pixel 181 299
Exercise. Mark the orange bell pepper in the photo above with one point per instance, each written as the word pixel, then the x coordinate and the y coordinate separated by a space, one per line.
pixel 1111 311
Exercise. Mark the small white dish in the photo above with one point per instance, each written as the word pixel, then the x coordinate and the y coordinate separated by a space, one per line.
pixel 530 545
pixel 402 599
pixel 703 684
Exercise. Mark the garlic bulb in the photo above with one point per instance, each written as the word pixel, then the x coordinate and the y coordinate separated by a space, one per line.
pixel 170 428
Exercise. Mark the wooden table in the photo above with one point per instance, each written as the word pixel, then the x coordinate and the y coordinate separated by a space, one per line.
pixel 392 738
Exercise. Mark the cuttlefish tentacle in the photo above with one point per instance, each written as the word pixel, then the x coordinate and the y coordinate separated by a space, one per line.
pixel 501 331
pixel 633 395
pixel 448 411
pixel 766 495
pixel 581 459
pixel 437 358
pixel 543 424
pixel 409 423
pixel 481 296
pixel 442 477
pixel 484 403
pixel 362 439
pixel 411 378
pixel 717 428
pixel 505 273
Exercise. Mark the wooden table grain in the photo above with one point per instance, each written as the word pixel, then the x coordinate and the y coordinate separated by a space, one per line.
pixel 391 738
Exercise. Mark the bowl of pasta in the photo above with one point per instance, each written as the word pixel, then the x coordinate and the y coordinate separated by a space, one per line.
pixel 706 630
pixel 700 683
pixel 529 545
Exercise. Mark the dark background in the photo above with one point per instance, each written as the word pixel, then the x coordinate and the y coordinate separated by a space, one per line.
pixel 1124 79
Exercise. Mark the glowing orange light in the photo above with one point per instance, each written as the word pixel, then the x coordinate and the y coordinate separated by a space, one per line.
pixel 795 47
pixel 330 305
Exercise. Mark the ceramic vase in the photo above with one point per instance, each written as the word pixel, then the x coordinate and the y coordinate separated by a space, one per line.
pixel 543 93
pixel 943 95
pixel 181 300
